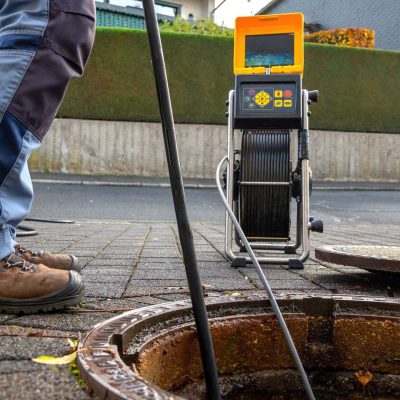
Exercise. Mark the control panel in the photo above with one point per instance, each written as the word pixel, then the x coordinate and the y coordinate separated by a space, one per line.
pixel 275 98
pixel 268 101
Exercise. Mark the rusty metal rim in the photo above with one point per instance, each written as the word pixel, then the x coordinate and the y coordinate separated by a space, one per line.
pixel 106 373
pixel 338 255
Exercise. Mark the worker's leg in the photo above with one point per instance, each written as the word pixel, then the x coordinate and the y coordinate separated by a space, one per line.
pixel 43 43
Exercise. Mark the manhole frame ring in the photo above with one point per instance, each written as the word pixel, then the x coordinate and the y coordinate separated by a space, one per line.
pixel 118 381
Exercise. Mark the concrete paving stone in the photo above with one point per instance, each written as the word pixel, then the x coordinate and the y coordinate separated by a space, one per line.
pixel 203 247
pixel 157 263
pixel 337 278
pixel 287 293
pixel 92 273
pixel 227 284
pixel 114 304
pixel 284 284
pixel 221 264
pixel 212 257
pixel 117 243
pixel 91 244
pixel 81 249
pixel 26 348
pixel 47 383
pixel 113 262
pixel 103 276
pixel 159 282
pixel 161 253
pixel 229 293
pixel 181 274
pixel 85 253
pixel 210 283
pixel 137 290
pixel 108 257
pixel 158 274
pixel 148 300
pixel 23 331
pixel 219 273
pixel 23 366
pixel 157 245
pixel 79 322
pixel 173 297
pixel 115 252
pixel 104 289
pixel 316 269
pixel 272 274
pixel 160 260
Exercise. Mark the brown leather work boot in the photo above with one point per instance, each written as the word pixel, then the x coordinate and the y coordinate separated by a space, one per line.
pixel 57 261
pixel 30 288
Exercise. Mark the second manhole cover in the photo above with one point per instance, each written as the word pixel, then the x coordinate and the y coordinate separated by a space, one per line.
pixel 373 258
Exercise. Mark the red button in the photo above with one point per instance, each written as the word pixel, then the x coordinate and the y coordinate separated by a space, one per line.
pixel 251 92
pixel 287 93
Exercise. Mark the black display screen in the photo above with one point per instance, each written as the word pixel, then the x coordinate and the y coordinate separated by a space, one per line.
pixel 269 50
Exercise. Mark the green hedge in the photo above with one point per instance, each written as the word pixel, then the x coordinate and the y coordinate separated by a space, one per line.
pixel 359 88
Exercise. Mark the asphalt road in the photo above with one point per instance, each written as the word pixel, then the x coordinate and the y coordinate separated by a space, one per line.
pixel 82 202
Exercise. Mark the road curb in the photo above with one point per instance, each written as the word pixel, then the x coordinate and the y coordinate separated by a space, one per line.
pixel 202 186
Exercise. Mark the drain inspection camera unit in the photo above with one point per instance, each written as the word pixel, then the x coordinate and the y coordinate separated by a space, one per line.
pixel 267 104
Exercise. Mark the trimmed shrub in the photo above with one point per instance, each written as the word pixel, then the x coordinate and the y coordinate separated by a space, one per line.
pixel 360 88
pixel 353 37
pixel 202 27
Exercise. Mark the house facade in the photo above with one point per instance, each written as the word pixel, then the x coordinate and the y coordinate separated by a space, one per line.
pixel 167 10
pixel 382 16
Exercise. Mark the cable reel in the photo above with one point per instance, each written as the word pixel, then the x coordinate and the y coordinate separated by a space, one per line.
pixel 264 187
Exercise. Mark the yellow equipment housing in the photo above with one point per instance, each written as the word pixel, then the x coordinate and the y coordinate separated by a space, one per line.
pixel 269 41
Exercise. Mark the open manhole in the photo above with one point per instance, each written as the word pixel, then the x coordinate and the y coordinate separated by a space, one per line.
pixel 350 348
pixel 372 258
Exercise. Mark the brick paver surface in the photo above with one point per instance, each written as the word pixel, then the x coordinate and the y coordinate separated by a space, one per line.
pixel 129 265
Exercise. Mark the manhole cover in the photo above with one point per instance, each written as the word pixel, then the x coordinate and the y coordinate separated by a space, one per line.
pixel 372 258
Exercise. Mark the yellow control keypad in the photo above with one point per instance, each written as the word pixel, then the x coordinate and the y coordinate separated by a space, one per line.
pixel 278 103
pixel 262 98
pixel 287 103
pixel 278 93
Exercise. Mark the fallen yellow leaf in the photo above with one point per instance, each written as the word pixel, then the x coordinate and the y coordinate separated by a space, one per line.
pixel 50 360
pixel 364 377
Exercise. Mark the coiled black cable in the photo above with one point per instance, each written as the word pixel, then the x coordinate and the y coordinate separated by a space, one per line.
pixel 29 231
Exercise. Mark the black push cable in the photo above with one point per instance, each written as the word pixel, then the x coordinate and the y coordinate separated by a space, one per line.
pixel 29 231
pixel 178 194
pixel 264 281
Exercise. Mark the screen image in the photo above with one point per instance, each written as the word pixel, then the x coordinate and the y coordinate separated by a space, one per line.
pixel 269 50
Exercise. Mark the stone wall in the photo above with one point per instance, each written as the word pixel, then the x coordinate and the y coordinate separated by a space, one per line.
pixel 135 148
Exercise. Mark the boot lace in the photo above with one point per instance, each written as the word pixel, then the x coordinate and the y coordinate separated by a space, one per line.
pixel 20 251
pixel 13 261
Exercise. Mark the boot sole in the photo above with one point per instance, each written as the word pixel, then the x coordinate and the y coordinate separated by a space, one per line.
pixel 70 295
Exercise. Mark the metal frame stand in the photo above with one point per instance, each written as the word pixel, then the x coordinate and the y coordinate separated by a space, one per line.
pixel 303 225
